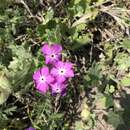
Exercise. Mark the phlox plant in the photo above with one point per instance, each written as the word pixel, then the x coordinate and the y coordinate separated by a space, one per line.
pixel 54 76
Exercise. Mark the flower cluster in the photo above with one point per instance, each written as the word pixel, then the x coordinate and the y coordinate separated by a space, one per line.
pixel 54 76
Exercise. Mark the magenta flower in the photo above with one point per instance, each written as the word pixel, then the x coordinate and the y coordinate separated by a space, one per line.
pixel 42 79
pixel 30 128
pixel 62 71
pixel 58 88
pixel 52 53
pixel 59 74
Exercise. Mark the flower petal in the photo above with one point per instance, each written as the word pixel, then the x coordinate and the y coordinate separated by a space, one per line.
pixel 36 75
pixel 50 79
pixel 43 88
pixel 59 64
pixel 47 59
pixel 58 88
pixel 50 60
pixel 57 48
pixel 44 70
pixel 63 93
pixel 46 49
pixel 70 73
pixel 30 128
pixel 60 79
pixel 68 65
pixel 54 72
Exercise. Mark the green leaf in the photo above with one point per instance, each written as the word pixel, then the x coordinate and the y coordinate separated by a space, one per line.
pixel 9 111
pixel 80 40
pixel 83 39
pixel 91 13
pixel 5 88
pixel 103 101
pixel 114 119
pixel 85 114
pixel 56 116
pixel 48 16
pixel 3 3
pixel 98 2
pixel 110 89
pixel 79 125
pixel 122 60
pixel 125 81
pixel 76 1
pixel 93 75
pixel 126 44
pixel 21 67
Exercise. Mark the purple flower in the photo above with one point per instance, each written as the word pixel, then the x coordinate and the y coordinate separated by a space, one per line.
pixel 30 128
pixel 58 88
pixel 42 79
pixel 52 53
pixel 62 71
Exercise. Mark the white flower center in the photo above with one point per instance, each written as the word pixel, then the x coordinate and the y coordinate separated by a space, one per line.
pixel 53 56
pixel 62 71
pixel 58 90
pixel 42 79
